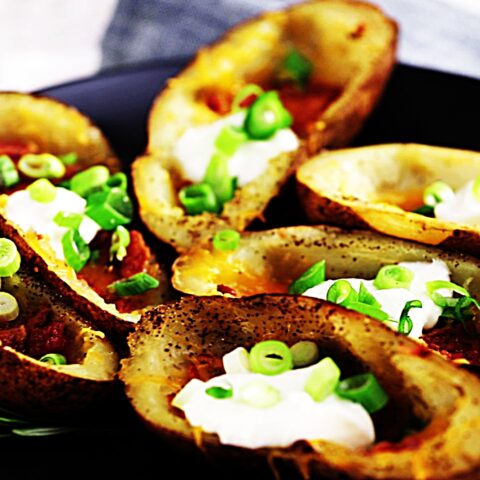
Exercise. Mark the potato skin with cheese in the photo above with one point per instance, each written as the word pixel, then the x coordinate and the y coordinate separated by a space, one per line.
pixel 377 188
pixel 419 382
pixel 45 125
pixel 352 46
pixel 30 386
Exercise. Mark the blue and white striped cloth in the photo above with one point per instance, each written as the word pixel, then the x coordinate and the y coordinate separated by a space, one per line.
pixel 438 34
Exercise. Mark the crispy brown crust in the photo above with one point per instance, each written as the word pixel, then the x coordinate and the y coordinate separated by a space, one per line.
pixel 416 379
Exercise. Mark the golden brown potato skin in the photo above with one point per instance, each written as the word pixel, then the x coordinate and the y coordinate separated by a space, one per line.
pixel 419 383
pixel 54 127
pixel 378 187
pixel 352 46
pixel 27 385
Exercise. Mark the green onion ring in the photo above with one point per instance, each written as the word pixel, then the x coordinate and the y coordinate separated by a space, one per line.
pixel 219 392
pixel 312 277
pixel 9 258
pixel 304 353
pixel 323 380
pixel 75 250
pixel 226 240
pixel 342 292
pixel 198 199
pixel 436 193
pixel 405 324
pixel 44 165
pixel 270 357
pixel 247 91
pixel 8 172
pixel 393 276
pixel 54 359
pixel 134 285
pixel 363 389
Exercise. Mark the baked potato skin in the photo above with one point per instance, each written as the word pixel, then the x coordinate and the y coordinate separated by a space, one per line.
pixel 268 261
pixel 355 32
pixel 54 127
pixel 33 387
pixel 419 383
pixel 377 198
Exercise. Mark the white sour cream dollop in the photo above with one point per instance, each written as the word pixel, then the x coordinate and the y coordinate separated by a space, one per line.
pixel 194 149
pixel 31 215
pixel 462 207
pixel 392 300
pixel 295 417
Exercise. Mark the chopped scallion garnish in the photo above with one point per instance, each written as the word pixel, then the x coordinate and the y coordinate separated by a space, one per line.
pixel 42 191
pixel 43 165
pixel 363 389
pixel 312 277
pixel 270 357
pixel 259 394
pixel 246 93
pixel 8 172
pixel 134 285
pixel 322 381
pixel 90 180
pixel 437 192
pixel 226 240
pixel 217 176
pixel 75 250
pixel 110 208
pixel 54 359
pixel 120 242
pixel 68 219
pixel 296 67
pixel 198 199
pixel 69 158
pixel 219 392
pixel 393 276
pixel 304 353
pixel 342 292
pixel 9 258
pixel 405 324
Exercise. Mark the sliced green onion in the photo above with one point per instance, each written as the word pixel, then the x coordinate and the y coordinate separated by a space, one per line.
pixel 363 389
pixel 342 292
pixel 218 177
pixel 462 310
pixel 90 180
pixel 120 242
pixel 366 309
pixel 54 359
pixel 230 139
pixel 393 276
pixel 266 116
pixel 118 180
pixel 246 92
pixel 42 191
pixel 425 210
pixel 9 258
pixel 69 158
pixel 476 189
pixel 198 199
pixel 226 240
pixel 110 208
pixel 304 353
pixel 219 392
pixel 296 67
pixel 364 296
pixel 8 307
pixel 310 278
pixel 68 219
pixel 437 192
pixel 8 172
pixel 322 381
pixel 439 299
pixel 259 394
pixel 405 324
pixel 134 285
pixel 44 165
pixel 75 250
pixel 270 357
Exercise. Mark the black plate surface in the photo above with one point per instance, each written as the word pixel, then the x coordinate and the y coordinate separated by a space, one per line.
pixel 418 106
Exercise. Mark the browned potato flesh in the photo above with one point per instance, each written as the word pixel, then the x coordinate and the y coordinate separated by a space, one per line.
pixel 352 48
pixel 420 384
pixel 378 187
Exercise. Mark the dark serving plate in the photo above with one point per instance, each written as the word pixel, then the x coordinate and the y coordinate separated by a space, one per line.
pixel 419 105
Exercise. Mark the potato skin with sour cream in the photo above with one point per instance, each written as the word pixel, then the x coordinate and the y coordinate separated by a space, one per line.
pixel 419 383
pixel 377 188
pixel 352 46
pixel 268 261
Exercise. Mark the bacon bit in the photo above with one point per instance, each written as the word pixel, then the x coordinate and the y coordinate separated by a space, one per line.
pixel 226 289
pixel 14 337
pixel 15 149
pixel 247 101
pixel 358 32
pixel 217 101
pixel 411 442
pixel 138 256
pixel 45 335
pixel 204 367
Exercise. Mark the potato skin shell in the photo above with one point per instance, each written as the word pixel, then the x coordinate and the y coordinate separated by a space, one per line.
pixel 248 50
pixel 169 337
pixel 367 210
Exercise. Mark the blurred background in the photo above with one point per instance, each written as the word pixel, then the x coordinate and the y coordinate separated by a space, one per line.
pixel 46 42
